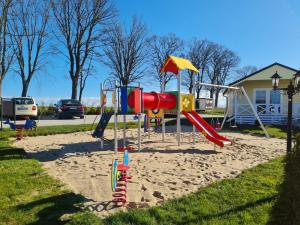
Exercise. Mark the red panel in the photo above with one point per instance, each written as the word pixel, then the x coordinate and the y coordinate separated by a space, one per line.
pixel 137 100
pixel 171 67
pixel 154 100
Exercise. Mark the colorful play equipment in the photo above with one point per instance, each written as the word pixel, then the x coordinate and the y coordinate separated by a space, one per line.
pixel 128 100
pixel 20 128
pixel 131 100
pixel 119 179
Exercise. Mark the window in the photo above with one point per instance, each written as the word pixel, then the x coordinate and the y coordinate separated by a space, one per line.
pixel 261 97
pixel 70 102
pixel 24 101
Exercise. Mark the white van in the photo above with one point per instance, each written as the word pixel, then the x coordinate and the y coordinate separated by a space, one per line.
pixel 25 106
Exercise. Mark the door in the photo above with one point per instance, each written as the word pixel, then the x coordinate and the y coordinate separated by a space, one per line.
pixel 275 101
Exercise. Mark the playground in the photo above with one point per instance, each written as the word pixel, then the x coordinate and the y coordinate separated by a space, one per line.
pixel 160 172
pixel 121 168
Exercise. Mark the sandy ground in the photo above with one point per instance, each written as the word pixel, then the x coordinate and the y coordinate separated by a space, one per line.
pixel 160 171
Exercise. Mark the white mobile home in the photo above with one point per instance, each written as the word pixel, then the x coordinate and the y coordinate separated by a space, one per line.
pixel 271 105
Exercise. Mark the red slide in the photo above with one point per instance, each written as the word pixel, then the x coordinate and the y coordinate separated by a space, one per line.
pixel 206 129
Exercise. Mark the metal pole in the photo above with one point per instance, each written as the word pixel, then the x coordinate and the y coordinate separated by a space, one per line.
pixel 1 113
pixel 139 121
pixel 101 99
pixel 15 116
pixel 124 130
pixel 178 107
pixel 226 114
pixel 255 113
pixel 116 119
pixel 290 92
pixel 194 93
pixel 148 124
pixel 216 85
pixel 101 110
pixel 163 113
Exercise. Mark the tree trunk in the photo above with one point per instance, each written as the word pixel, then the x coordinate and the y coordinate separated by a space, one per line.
pixel 211 93
pixel 80 93
pixel 191 89
pixel 74 88
pixel 24 88
pixel 0 88
pixel 199 79
pixel 217 98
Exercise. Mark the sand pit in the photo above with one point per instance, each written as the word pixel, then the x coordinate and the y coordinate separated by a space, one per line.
pixel 161 171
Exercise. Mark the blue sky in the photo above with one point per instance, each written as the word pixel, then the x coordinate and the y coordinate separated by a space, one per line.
pixel 259 31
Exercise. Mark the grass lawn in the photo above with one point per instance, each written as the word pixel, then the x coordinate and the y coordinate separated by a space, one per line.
pixel 215 111
pixel 62 129
pixel 274 131
pixel 27 194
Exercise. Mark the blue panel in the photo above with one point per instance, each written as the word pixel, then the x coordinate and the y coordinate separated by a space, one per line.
pixel 126 158
pixel 124 100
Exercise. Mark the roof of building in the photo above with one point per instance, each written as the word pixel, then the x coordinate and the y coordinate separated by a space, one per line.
pixel 258 71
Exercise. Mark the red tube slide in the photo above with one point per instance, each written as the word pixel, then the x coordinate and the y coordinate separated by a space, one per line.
pixel 155 100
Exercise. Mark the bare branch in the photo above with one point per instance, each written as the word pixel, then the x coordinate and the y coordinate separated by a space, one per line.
pixel 29 28
pixel 6 49
pixel 125 52
pixel 160 47
pixel 79 24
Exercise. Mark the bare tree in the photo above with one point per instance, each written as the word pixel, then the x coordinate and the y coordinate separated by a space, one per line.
pixel 160 47
pixel 245 71
pixel 6 50
pixel 199 53
pixel 29 27
pixel 80 24
pixel 220 67
pixel 125 52
pixel 229 61
pixel 214 68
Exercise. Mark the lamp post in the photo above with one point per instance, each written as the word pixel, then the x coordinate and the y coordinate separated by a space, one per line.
pixel 291 90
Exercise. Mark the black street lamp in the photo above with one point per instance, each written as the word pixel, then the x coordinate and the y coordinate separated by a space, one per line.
pixel 291 90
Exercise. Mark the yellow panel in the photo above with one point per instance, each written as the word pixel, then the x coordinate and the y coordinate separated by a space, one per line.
pixel 187 102
pixel 153 114
pixel 178 62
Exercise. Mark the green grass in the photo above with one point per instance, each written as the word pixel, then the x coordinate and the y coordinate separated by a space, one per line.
pixel 273 131
pixel 27 194
pixel 62 129
pixel 215 111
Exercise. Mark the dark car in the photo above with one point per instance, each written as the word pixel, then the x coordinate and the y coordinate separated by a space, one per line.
pixel 68 108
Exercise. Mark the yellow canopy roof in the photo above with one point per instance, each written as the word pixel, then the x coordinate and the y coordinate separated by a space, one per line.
pixel 174 64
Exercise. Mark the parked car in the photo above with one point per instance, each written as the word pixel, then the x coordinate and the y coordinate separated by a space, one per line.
pixel 25 106
pixel 69 108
